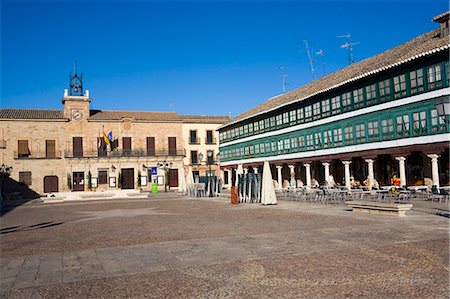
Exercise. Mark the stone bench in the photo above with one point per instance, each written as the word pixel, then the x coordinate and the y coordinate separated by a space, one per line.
pixel 379 207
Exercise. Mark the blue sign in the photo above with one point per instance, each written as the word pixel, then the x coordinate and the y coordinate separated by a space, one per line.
pixel 154 170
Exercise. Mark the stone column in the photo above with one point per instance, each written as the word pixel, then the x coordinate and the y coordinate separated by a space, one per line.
pixel 245 170
pixel 327 171
pixel 308 175
pixel 255 169
pixel 401 166
pixel 230 177
pixel 280 178
pixel 347 173
pixel 434 169
pixel 371 176
pixel 292 172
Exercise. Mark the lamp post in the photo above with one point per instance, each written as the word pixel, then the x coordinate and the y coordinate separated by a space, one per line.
pixel 165 166
pixel 5 171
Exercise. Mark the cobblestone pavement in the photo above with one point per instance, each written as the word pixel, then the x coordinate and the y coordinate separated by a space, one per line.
pixel 175 247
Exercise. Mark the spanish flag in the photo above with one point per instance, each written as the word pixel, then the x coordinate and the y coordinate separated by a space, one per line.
pixel 105 137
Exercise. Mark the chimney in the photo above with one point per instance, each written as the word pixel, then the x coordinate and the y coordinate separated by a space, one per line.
pixel 442 19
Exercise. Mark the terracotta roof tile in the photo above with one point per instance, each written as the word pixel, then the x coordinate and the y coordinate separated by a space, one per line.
pixel 135 115
pixel 10 113
pixel 417 47
pixel 217 119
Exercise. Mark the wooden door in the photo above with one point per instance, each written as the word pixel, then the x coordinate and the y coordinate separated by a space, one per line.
pixel 173 177
pixel 172 146
pixel 150 146
pixel 78 181
pixel 128 178
pixel 126 145
pixel 50 148
pixel 50 184
pixel 78 147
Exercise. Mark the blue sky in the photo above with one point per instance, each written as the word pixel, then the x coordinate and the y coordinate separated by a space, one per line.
pixel 208 57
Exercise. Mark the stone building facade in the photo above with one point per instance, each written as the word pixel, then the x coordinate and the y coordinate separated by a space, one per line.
pixel 79 149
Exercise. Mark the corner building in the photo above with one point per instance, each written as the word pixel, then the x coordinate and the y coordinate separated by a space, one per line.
pixel 371 120
pixel 56 150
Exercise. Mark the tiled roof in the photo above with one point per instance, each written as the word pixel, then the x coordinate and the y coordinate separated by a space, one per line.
pixel 135 115
pixel 420 46
pixel 10 113
pixel 441 16
pixel 217 119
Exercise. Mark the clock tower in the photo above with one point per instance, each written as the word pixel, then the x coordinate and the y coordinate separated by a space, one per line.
pixel 76 102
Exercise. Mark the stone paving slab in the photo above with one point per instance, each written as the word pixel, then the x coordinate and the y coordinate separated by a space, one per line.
pixel 291 250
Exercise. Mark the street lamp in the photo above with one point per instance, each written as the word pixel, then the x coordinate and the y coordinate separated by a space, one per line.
pixel 165 166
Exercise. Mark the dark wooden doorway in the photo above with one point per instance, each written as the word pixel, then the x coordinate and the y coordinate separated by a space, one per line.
pixel 128 178
pixel 78 181
pixel 50 184
pixel 173 177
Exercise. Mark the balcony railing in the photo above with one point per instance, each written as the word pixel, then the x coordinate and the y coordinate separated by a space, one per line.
pixel 126 153
pixel 38 155
pixel 210 141
pixel 194 140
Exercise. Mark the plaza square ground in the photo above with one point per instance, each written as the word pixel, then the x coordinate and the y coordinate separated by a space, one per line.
pixel 171 246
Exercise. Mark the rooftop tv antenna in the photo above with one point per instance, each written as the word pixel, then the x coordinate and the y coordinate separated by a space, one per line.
pixel 321 54
pixel 311 61
pixel 349 46
pixel 283 78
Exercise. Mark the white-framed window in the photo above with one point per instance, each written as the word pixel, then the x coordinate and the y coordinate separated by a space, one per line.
pixel 327 139
pixel 325 107
pixel 285 117
pixel 293 116
pixel 346 101
pixel 416 80
pixel 335 104
pixel 301 142
pixel 287 144
pixel 403 125
pixel 318 140
pixel 420 122
pixel 434 73
pixel 400 85
pixel 372 131
pixel 387 128
pixel 337 135
pixel 308 113
pixel 371 94
pixel 273 122
pixel 316 110
pixel 348 133
pixel 279 120
pixel 385 90
pixel 294 143
pixel 358 98
pixel 360 132
pixel 437 122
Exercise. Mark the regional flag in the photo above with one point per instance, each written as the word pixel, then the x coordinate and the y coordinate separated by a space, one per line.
pixel 110 136
pixel 105 137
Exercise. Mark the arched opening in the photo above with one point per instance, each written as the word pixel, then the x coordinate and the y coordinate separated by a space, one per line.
pixel 385 167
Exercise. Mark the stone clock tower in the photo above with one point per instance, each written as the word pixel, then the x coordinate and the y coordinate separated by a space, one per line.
pixel 76 102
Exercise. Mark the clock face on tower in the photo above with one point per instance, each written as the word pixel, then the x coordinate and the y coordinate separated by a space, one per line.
pixel 77 114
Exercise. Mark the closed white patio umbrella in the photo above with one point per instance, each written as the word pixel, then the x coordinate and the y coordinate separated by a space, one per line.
pixel 239 171
pixel 182 179
pixel 268 196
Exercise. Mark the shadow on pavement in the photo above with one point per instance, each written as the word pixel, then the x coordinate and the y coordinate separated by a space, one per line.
pixel 15 194
pixel 14 229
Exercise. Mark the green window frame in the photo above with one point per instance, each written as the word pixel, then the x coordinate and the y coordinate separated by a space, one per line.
pixel 403 126
pixel 327 139
pixel 285 118
pixel 420 123
pixel 360 133
pixel 318 140
pixel 348 134
pixel 358 98
pixel 326 111
pixel 385 90
pixel 434 76
pixel 346 101
pixel 273 123
pixel 287 145
pixel 387 128
pixel 373 134
pixel 309 142
pixel 337 137
pixel 399 86
pixel 279 120
pixel 308 113
pixel 416 81
pixel 316 110
pixel 437 122
pixel 300 115
pixel 371 94
pixel 294 144
pixel 335 105
pixel 293 116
